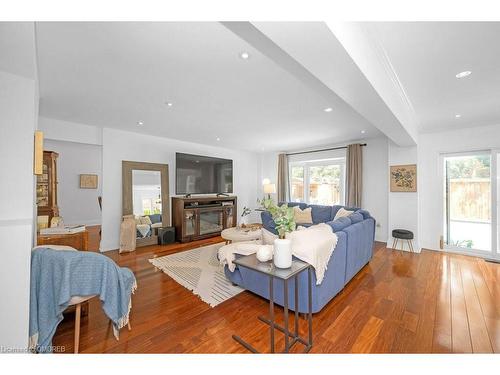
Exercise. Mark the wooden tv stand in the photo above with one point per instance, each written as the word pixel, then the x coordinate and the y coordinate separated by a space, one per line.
pixel 198 217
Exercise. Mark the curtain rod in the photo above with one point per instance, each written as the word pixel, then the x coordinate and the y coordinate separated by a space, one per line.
pixel 324 149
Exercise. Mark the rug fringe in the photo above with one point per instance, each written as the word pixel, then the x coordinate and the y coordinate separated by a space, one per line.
pixel 206 253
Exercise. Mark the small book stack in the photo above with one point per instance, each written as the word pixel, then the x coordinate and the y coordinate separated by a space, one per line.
pixel 67 229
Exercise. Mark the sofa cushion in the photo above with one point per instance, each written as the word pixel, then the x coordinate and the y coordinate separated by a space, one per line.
pixel 302 216
pixel 303 226
pixel 155 218
pixel 268 237
pixel 146 220
pixel 342 213
pixel 340 224
pixel 356 217
pixel 268 222
pixel 335 209
pixel 320 214
pixel 294 204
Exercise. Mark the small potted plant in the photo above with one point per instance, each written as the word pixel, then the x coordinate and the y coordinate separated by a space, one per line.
pixel 285 223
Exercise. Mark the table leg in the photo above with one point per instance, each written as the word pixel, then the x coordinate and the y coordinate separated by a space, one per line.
pixel 285 310
pixel 271 312
pixel 296 305
pixel 309 287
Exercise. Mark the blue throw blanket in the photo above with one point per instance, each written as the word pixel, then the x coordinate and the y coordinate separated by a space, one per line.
pixel 58 275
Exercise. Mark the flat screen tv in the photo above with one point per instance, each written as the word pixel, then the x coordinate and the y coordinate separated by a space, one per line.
pixel 196 174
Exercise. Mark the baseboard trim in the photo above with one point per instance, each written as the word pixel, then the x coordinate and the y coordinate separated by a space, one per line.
pixel 492 260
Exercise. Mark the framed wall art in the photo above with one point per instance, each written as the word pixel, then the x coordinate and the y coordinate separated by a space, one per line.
pixel 403 178
pixel 88 181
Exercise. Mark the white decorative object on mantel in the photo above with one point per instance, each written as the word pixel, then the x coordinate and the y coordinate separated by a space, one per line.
pixel 264 253
pixel 282 253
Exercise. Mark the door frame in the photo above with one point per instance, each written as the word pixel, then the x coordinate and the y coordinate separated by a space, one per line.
pixel 494 193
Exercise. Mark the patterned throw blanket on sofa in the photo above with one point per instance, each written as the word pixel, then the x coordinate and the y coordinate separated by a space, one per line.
pixel 59 275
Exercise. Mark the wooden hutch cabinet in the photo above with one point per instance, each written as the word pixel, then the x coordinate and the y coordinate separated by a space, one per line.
pixel 195 218
pixel 46 186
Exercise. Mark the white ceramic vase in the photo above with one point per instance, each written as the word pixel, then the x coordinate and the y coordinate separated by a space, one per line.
pixel 282 253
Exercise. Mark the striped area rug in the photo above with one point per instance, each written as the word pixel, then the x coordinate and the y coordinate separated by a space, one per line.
pixel 199 271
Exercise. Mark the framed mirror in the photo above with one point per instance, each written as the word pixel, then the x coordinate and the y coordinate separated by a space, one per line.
pixel 145 195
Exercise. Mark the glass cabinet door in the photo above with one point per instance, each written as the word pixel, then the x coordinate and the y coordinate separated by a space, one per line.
pixel 189 223
pixel 229 217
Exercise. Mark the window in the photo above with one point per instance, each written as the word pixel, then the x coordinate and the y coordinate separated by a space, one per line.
pixel 468 202
pixel 317 182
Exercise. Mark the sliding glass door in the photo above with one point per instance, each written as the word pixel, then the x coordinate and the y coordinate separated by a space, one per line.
pixel 470 202
pixel 317 182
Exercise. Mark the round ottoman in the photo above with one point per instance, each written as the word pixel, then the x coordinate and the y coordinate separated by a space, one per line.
pixel 236 234
pixel 403 235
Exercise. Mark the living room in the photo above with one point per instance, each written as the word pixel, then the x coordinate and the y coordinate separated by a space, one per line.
pixel 163 153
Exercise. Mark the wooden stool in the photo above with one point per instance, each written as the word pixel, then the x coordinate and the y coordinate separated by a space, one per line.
pixel 403 235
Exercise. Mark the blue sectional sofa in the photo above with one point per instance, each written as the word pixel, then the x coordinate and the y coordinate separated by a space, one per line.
pixel 354 250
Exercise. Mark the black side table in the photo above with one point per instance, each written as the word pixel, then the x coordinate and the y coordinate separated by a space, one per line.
pixel 285 274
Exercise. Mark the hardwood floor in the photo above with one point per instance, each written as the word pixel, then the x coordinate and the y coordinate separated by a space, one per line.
pixel 399 303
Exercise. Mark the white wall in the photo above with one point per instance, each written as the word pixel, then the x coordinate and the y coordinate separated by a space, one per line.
pixel 77 206
pixel 403 208
pixel 70 131
pixel 430 147
pixel 376 183
pixel 18 106
pixel 121 145
pixel 375 177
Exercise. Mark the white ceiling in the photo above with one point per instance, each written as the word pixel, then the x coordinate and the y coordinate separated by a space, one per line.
pixel 426 56
pixel 17 46
pixel 116 74
pixel 329 60
pixel 389 78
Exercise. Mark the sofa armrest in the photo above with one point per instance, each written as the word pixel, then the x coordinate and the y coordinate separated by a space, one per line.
pixel 366 214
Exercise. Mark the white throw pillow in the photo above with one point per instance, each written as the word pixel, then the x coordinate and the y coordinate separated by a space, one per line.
pixel 302 216
pixel 342 213
pixel 268 237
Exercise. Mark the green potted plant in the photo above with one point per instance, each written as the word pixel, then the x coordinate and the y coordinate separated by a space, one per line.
pixel 285 223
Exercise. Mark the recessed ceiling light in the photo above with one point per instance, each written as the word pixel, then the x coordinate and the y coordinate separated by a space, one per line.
pixel 217 139
pixel 140 123
pixel 329 109
pixel 463 74
pixel 169 104
pixel 363 131
pixel 245 55
pixel 458 116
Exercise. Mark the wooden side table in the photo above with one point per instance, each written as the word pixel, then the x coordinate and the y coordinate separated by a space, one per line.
pixel 79 241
